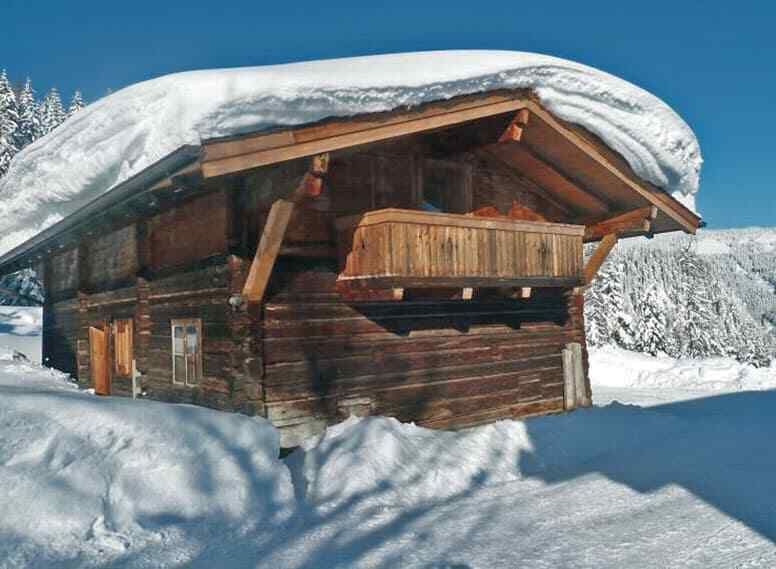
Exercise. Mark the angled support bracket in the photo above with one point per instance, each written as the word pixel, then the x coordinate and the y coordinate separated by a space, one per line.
pixel 309 186
pixel 599 256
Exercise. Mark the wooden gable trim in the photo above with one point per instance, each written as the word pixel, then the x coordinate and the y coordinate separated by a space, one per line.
pixel 226 157
pixel 668 205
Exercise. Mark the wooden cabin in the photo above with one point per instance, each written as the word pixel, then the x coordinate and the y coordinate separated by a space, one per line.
pixel 425 264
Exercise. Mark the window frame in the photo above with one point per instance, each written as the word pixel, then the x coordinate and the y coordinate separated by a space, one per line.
pixel 184 323
pixel 462 173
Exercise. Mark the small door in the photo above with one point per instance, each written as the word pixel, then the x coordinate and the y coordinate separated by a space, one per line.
pixel 98 362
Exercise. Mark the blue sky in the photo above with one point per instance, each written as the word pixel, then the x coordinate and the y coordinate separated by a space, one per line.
pixel 711 61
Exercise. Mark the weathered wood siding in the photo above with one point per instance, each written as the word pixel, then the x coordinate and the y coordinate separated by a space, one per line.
pixel 63 274
pixel 441 364
pixel 60 335
pixel 111 259
pixel 192 231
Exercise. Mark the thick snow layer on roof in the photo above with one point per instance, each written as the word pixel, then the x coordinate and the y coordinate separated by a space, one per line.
pixel 120 135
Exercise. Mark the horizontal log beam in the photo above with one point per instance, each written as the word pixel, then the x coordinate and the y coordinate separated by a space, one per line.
pixel 634 221
pixel 386 283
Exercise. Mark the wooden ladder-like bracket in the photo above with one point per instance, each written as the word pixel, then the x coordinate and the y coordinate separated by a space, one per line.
pixel 309 186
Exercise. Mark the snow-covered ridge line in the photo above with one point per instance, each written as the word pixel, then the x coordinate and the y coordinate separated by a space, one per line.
pixel 120 135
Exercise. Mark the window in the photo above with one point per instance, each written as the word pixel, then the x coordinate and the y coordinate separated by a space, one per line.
pixel 445 186
pixel 122 346
pixel 186 351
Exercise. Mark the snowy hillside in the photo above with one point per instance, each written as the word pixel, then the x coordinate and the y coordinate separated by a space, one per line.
pixel 123 133
pixel 710 295
pixel 679 473
pixel 21 331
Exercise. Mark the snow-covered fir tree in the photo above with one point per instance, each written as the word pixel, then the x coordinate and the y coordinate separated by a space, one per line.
pixel 651 323
pixel 22 288
pixel 609 319
pixel 76 104
pixel 51 112
pixel 24 119
pixel 9 123
pixel 29 121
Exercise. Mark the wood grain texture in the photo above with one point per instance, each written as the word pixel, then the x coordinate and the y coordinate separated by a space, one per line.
pixel 395 248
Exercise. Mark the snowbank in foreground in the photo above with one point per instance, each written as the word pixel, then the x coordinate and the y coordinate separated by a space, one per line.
pixel 123 133
pixel 94 478
pixel 383 461
pixel 614 367
pixel 91 481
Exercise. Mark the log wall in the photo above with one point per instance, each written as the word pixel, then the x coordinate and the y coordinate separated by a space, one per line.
pixel 438 363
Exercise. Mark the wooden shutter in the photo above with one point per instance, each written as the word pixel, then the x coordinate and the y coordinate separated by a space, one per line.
pixel 98 360
pixel 122 346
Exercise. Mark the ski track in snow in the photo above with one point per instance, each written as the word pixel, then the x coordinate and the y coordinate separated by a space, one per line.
pixel 679 475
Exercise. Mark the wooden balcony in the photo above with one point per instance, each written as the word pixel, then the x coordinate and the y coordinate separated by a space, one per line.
pixel 404 249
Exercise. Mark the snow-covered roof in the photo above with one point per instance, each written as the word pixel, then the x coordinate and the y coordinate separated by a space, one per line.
pixel 120 135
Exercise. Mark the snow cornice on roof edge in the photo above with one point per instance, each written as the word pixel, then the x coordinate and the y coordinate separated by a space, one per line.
pixel 123 134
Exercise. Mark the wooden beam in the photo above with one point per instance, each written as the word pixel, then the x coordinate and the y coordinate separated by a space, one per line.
pixel 554 182
pixel 275 230
pixel 313 251
pixel 269 247
pixel 225 157
pixel 634 221
pixel 599 256
pixel 514 130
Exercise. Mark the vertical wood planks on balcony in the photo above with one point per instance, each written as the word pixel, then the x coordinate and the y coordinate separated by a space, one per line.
pixel 394 247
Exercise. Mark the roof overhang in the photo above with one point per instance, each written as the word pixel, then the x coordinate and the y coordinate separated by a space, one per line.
pixel 569 163
pixel 575 169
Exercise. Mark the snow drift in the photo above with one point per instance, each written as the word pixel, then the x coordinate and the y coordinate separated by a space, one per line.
pixel 614 367
pixel 121 134
pixel 98 477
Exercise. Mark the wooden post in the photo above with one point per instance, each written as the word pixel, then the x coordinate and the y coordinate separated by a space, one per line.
pixel 599 256
pixel 569 384
pixel 574 384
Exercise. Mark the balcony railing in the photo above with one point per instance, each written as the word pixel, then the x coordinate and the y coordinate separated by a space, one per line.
pixel 396 248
